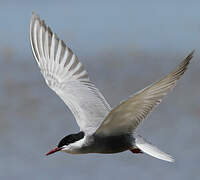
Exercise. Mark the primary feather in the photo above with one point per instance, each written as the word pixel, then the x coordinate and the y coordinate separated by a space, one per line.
pixel 65 75
pixel 128 115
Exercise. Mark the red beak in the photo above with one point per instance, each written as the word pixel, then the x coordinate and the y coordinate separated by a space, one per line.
pixel 53 151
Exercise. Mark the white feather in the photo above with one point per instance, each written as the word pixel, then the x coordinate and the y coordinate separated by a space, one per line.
pixel 65 75
pixel 148 148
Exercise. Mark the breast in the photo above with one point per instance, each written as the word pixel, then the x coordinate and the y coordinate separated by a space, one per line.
pixel 111 144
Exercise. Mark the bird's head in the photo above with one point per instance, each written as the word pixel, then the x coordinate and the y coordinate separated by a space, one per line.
pixel 66 141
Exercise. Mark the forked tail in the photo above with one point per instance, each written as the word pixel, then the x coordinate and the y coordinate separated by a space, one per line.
pixel 148 148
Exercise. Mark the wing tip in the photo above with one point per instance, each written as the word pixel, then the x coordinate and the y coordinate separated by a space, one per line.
pixel 190 56
pixel 35 16
pixel 192 53
pixel 182 67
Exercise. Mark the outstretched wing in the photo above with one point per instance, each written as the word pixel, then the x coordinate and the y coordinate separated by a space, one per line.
pixel 65 75
pixel 128 115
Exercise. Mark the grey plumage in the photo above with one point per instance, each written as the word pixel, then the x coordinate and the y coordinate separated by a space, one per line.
pixel 104 130
pixel 129 114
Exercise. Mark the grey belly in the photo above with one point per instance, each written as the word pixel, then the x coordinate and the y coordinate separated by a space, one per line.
pixel 111 144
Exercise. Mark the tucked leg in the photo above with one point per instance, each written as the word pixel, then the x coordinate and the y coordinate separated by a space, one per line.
pixel 136 150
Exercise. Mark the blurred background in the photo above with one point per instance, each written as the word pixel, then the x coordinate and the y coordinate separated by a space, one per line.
pixel 125 46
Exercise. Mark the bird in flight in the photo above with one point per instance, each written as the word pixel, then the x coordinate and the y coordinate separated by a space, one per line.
pixel 102 129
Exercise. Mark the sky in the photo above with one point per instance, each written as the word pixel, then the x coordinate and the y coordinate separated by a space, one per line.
pixel 125 46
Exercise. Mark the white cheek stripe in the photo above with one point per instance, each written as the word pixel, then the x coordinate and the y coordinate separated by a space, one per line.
pixel 75 147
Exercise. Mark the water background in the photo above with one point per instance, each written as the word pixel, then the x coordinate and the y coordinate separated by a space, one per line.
pixel 125 46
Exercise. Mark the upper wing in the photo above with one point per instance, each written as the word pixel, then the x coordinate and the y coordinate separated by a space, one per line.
pixel 65 75
pixel 127 116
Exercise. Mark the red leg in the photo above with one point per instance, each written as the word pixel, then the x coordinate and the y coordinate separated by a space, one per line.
pixel 136 150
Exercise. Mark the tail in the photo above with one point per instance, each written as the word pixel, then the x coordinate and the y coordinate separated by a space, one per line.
pixel 148 148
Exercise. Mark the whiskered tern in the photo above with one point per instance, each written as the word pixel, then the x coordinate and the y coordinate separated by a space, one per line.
pixel 102 129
